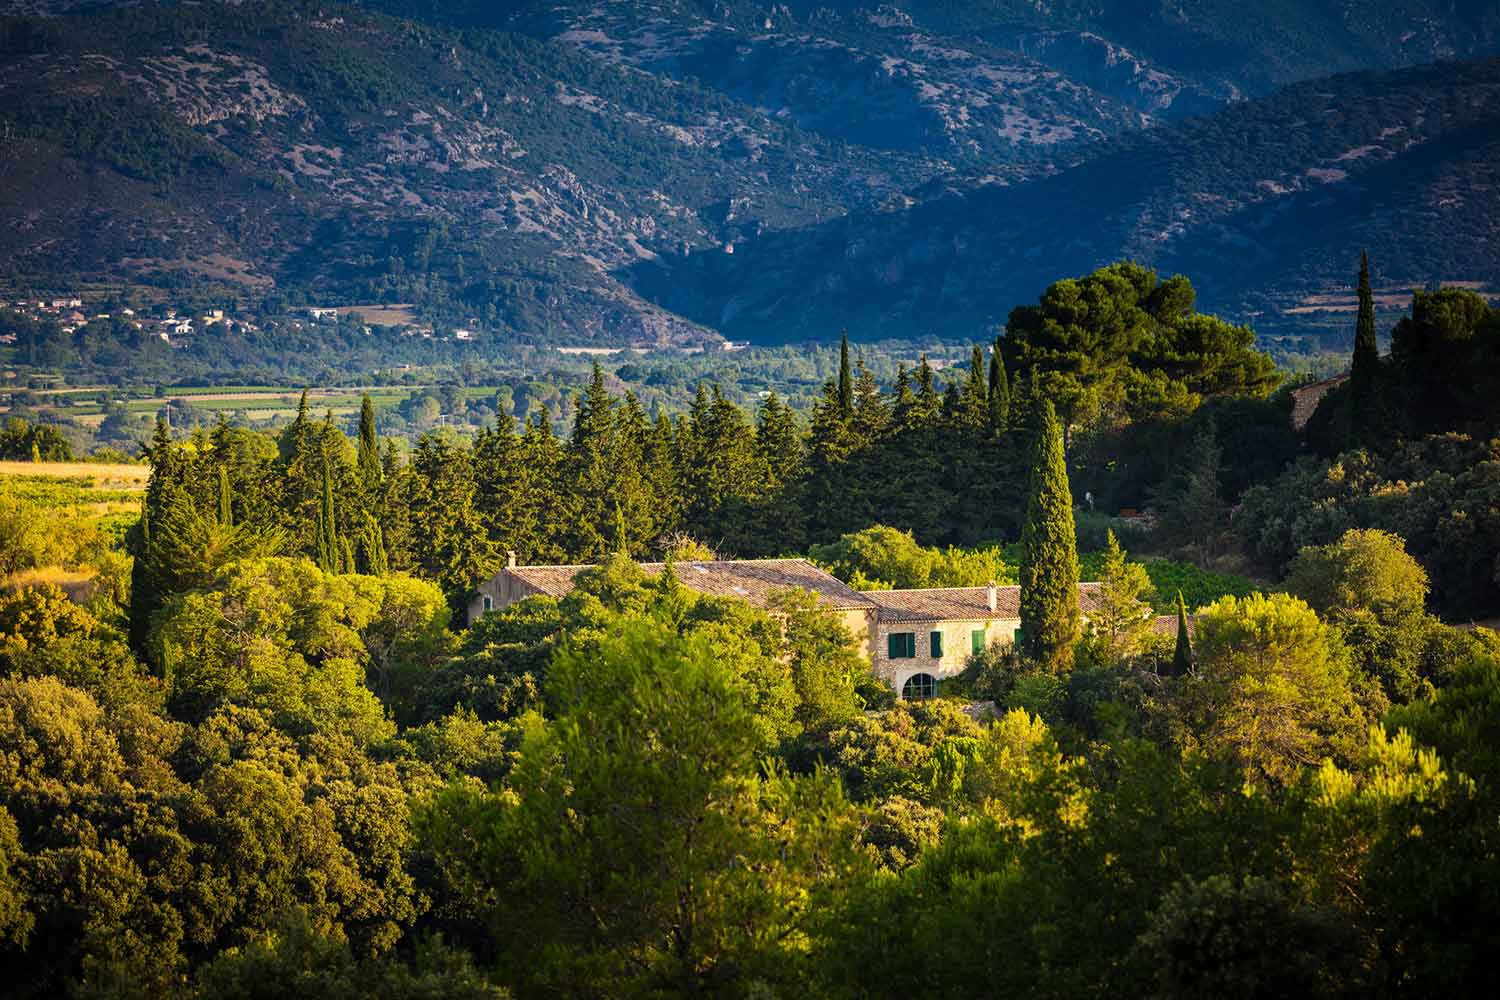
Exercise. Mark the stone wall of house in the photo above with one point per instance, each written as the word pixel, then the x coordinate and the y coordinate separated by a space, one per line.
pixel 957 647
pixel 861 624
pixel 503 589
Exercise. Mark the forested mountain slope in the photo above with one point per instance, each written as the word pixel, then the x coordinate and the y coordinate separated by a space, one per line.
pixel 670 171
pixel 348 156
pixel 1263 202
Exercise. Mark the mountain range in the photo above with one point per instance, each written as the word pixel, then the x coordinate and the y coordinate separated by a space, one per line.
pixel 675 172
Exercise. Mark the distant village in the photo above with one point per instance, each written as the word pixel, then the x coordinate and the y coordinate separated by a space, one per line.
pixel 174 326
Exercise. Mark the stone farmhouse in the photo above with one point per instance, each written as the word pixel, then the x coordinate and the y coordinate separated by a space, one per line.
pixel 913 638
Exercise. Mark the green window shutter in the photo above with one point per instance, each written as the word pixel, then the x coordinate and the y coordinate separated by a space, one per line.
pixel 937 645
pixel 895 646
pixel 976 641
pixel 911 644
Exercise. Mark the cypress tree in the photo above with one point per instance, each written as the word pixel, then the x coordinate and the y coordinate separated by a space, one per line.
pixel 1366 352
pixel 226 506
pixel 1364 367
pixel 1182 656
pixel 999 392
pixel 1049 554
pixel 329 551
pixel 369 446
pixel 374 560
pixel 846 382
pixel 622 538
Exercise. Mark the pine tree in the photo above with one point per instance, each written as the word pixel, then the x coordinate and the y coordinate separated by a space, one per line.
pixel 449 534
pixel 660 473
pixel 928 404
pixel 973 402
pixel 779 441
pixel 1193 501
pixel 1182 656
pixel 592 470
pixel 1049 555
pixel 632 489
pixel 829 445
pixel 871 415
pixel 369 448
pixel 1364 369
pixel 777 522
pixel 999 392
pixel 1123 619
pixel 542 502
pixel 846 382
pixel 906 401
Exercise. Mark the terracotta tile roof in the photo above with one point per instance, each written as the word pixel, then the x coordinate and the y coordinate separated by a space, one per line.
pixel 961 603
pixel 1167 625
pixel 1305 399
pixel 753 580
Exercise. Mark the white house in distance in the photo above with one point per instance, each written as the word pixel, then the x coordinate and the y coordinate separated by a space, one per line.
pixel 919 637
pixel 913 638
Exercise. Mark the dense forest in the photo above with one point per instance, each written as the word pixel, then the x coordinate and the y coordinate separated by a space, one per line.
pixel 260 753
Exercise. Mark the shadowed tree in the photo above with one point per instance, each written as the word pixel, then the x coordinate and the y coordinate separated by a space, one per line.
pixel 1365 388
pixel 1182 654
pixel 998 398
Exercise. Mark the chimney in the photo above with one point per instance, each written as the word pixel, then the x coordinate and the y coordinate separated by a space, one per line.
pixel 994 596
pixel 510 563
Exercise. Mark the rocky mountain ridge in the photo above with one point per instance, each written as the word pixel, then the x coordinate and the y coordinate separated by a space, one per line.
pixel 670 171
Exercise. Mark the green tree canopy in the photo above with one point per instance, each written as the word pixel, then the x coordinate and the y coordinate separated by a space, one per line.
pixel 1273 689
pixel 1106 346
pixel 681 867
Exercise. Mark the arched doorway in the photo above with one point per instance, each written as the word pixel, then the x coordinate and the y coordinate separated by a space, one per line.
pixel 919 687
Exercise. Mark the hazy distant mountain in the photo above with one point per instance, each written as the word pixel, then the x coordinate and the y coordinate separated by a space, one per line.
pixel 661 171
pixel 1263 205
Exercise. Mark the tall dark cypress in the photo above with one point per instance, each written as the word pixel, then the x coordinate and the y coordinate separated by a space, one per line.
pixel 369 446
pixel 846 382
pixel 329 550
pixel 226 499
pixel 1050 617
pixel 1364 368
pixel 999 392
pixel 1182 656
pixel 1366 353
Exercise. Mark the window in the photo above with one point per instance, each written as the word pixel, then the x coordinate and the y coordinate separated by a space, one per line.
pixel 489 604
pixel 919 687
pixel 937 645
pixel 901 645
pixel 976 641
